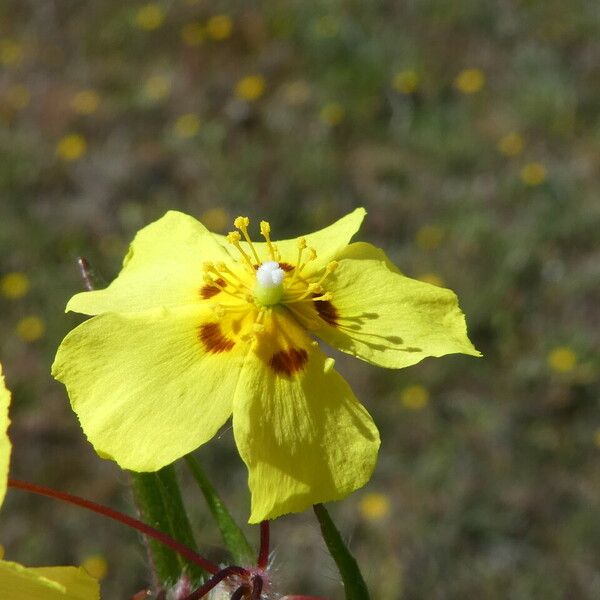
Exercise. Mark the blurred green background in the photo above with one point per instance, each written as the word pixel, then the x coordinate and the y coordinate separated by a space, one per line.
pixel 470 131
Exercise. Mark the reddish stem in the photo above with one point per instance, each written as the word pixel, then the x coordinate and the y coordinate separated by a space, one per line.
pixel 121 518
pixel 263 554
pixel 215 580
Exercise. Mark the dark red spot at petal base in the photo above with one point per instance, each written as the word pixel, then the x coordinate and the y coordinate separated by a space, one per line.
pixel 208 291
pixel 213 339
pixel 288 362
pixel 327 312
pixel 286 267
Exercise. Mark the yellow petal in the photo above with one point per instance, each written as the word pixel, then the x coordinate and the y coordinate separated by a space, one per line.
pixel 162 268
pixel 146 388
pixel 303 435
pixel 4 441
pixel 47 583
pixel 388 319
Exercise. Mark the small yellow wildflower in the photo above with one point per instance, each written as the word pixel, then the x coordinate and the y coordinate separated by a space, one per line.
pixel 296 93
pixel 406 81
pixel 429 237
pixel 597 437
pixel 85 102
pixel 157 87
pixel 562 359
pixel 71 147
pixel 250 88
pixel 172 351
pixel 18 96
pixel 192 34
pixel 432 278
pixel 374 506
pixel 332 114
pixel 533 174
pixel 96 566
pixel 11 53
pixel 327 26
pixel 30 329
pixel 219 27
pixel 21 583
pixel 150 17
pixel 470 81
pixel 187 126
pixel 511 144
pixel 14 285
pixel 216 219
pixel 414 397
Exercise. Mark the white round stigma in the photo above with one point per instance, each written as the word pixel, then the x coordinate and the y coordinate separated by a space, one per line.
pixel 269 283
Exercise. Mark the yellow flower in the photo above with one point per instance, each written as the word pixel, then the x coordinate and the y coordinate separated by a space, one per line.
pixel 332 114
pixel 18 96
pixel 48 583
pixel 11 53
pixel 150 17
pixel 96 566
pixel 71 147
pixel 14 285
pixel 406 82
pixel 30 329
pixel 432 279
pixel 250 88
pixel 511 144
pixel 374 506
pixel 429 237
pixel 85 102
pixel 157 87
pixel 562 359
pixel 199 327
pixel 533 174
pixel 187 125
pixel 192 34
pixel 219 27
pixel 414 397
pixel 470 81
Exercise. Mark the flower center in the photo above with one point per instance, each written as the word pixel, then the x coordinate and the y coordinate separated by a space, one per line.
pixel 268 289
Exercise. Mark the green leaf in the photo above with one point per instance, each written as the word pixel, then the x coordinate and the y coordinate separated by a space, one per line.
pixel 233 536
pixel 354 584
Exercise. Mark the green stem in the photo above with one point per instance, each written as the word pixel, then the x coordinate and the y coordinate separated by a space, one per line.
pixel 233 536
pixel 354 584
pixel 160 504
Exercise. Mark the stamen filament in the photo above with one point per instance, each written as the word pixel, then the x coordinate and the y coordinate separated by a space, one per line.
pixel 265 230
pixel 242 224
pixel 233 237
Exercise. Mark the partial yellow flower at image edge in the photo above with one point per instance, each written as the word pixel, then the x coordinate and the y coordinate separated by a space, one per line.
pixel 199 327
pixel 41 583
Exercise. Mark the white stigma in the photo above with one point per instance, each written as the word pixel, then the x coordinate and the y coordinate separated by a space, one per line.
pixel 270 274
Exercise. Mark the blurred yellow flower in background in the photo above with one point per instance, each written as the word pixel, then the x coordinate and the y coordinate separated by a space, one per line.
pixel 18 96
pixel 562 359
pixel 187 126
pixel 85 102
pixel 71 147
pixel 533 174
pixel 95 565
pixel 429 237
pixel 406 81
pixel 216 219
pixel 250 88
pixel 374 506
pixel 219 27
pixel 157 87
pixel 511 144
pixel 150 17
pixel 31 328
pixel 414 397
pixel 11 53
pixel 432 278
pixel 192 34
pixel 470 81
pixel 332 113
pixel 14 285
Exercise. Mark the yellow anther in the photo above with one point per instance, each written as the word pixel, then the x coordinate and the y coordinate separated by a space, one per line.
pixel 312 254
pixel 325 296
pixel 207 267
pixel 302 243
pixel 332 266
pixel 258 328
pixel 219 310
pixel 241 223
pixel 233 237
pixel 221 266
pixel 314 288
pixel 265 229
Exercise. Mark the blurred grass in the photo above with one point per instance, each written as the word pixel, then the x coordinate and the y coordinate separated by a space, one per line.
pixel 112 113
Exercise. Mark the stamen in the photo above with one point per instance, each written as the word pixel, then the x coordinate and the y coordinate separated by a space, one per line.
pixel 329 269
pixel 242 224
pixel 265 231
pixel 234 237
